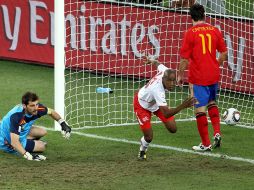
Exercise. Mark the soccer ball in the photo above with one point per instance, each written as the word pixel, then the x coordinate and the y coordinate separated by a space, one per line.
pixel 231 116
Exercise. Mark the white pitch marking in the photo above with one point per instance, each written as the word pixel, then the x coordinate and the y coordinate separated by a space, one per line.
pixel 168 148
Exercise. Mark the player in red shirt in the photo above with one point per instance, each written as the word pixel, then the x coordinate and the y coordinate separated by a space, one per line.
pixel 200 44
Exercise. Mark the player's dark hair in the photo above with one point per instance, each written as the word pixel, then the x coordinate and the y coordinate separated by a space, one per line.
pixel 197 12
pixel 29 97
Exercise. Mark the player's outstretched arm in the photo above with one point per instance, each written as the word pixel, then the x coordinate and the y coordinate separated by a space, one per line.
pixel 169 112
pixel 66 129
pixel 180 71
pixel 151 61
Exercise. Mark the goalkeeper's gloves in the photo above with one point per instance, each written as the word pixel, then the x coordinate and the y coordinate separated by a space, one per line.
pixel 66 130
pixel 34 157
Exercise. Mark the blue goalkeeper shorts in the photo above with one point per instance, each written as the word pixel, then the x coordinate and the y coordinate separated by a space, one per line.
pixel 205 94
pixel 28 145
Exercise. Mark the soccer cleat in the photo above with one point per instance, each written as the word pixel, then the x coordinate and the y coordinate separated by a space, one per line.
pixel 142 155
pixel 217 141
pixel 202 148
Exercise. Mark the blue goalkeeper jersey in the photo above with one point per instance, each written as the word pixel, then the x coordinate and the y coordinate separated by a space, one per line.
pixel 18 122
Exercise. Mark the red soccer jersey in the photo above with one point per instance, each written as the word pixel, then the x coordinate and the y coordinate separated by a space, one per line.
pixel 199 47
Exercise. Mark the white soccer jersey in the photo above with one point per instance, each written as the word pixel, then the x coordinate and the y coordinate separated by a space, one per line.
pixel 152 95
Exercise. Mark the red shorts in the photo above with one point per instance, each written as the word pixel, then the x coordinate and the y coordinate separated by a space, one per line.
pixel 144 116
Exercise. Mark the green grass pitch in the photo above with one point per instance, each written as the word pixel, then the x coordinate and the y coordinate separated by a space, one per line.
pixel 92 163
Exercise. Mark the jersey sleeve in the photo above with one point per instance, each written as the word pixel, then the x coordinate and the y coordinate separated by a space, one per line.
pixel 186 49
pixel 159 97
pixel 42 110
pixel 15 123
pixel 161 68
pixel 221 45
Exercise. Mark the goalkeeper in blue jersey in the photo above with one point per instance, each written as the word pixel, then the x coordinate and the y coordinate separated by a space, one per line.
pixel 19 135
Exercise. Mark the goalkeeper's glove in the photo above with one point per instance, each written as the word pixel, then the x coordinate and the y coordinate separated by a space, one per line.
pixel 66 130
pixel 34 157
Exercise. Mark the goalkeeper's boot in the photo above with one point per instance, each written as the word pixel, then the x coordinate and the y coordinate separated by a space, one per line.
pixel 142 155
pixel 217 141
pixel 202 148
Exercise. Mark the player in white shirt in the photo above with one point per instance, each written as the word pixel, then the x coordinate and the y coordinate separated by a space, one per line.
pixel 151 99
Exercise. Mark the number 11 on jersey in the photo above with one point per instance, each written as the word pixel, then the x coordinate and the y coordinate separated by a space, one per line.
pixel 202 36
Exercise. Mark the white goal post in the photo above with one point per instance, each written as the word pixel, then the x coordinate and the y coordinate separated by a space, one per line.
pixel 59 59
pixel 106 41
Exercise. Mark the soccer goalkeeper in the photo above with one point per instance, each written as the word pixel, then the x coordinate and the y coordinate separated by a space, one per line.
pixel 151 99
pixel 19 135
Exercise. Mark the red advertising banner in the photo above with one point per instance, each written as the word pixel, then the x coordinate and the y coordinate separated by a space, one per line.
pixel 112 38
pixel 26 30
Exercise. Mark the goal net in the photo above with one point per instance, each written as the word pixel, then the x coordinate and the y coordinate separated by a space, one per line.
pixel 106 42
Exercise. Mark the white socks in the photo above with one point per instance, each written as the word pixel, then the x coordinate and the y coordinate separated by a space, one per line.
pixel 144 145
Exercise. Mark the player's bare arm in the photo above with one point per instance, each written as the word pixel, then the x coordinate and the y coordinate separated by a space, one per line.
pixel 223 57
pixel 169 112
pixel 180 72
pixel 151 61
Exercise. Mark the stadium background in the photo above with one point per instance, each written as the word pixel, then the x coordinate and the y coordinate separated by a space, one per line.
pixel 97 163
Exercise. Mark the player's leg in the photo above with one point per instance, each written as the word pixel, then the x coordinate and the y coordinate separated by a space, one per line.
pixel 34 145
pixel 5 146
pixel 213 109
pixel 201 93
pixel 36 133
pixel 144 120
pixel 214 115
pixel 169 123
pixel 146 139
